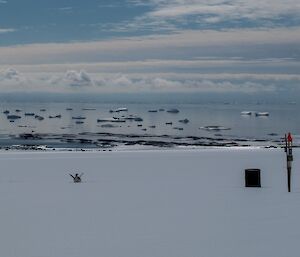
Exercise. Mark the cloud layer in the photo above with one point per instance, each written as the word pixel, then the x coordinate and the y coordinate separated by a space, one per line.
pixel 82 82
pixel 251 43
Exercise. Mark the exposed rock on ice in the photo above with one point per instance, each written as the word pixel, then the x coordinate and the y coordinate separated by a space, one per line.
pixel 38 117
pixel 173 110
pixel 185 121
pixel 13 117
pixel 78 118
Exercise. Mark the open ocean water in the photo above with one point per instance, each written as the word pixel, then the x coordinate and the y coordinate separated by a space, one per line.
pixel 282 118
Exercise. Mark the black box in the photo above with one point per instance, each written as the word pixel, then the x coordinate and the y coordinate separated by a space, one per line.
pixel 252 178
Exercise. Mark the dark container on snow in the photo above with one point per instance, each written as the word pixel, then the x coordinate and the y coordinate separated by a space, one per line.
pixel 252 178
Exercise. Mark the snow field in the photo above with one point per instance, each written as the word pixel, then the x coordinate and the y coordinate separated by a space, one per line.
pixel 177 203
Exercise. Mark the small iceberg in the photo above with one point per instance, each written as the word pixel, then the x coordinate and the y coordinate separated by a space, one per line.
pixel 131 118
pixel 261 114
pixel 114 119
pixel 152 111
pixel 119 110
pixel 55 116
pixel 246 113
pixel 6 112
pixel 108 125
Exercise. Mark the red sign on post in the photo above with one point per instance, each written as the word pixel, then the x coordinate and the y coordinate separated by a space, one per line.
pixel 290 139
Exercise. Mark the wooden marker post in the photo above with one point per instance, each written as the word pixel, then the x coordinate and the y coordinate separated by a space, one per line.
pixel 289 158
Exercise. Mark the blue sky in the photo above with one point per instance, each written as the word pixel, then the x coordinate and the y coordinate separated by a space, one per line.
pixel 150 45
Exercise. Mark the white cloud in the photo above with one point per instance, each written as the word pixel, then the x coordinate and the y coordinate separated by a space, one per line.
pixel 12 80
pixel 6 30
pixel 173 15
pixel 77 79
pixel 67 8
pixel 10 74
pixel 208 11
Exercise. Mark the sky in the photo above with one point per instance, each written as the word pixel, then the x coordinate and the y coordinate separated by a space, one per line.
pixel 97 46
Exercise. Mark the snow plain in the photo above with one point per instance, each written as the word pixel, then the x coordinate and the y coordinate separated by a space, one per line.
pixel 171 203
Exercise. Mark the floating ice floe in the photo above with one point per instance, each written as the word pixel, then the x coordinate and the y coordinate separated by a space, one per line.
pixel 113 119
pixel 246 113
pixel 123 109
pixel 131 118
pixel 214 128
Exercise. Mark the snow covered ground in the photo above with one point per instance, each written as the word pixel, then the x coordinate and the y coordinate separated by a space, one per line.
pixel 175 203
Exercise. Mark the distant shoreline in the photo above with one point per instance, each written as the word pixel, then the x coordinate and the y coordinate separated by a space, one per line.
pixel 111 141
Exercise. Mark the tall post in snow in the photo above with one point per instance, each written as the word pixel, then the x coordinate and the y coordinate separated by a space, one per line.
pixel 289 158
